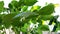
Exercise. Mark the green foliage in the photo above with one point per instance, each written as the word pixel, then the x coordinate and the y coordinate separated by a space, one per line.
pixel 44 17
pixel 58 27
pixel 35 8
pixel 20 17
pixel 13 4
pixel 0 19
pixel 28 2
pixel 1 6
pixel 47 10
pixel 24 8
pixel 44 28
pixel 25 28
pixel 7 19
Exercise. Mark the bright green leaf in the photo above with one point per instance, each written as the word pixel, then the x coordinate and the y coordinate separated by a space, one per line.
pixel 37 8
pixel 24 8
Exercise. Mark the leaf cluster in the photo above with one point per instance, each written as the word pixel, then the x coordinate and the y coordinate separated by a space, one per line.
pixel 19 16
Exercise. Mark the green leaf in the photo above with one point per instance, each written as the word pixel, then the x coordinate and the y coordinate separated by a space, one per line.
pixel 1 6
pixel 33 18
pixel 0 19
pixel 7 20
pixel 16 22
pixel 21 2
pixel 44 28
pixel 25 27
pixel 25 14
pixel 8 17
pixel 14 5
pixel 58 27
pixel 28 2
pixel 1 28
pixel 35 8
pixel 24 8
pixel 44 17
pixel 47 10
pixel 1 22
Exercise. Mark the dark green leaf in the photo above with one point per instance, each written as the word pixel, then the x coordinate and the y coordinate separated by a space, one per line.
pixel 28 2
pixel 16 22
pixel 47 10
pixel 0 20
pixel 1 6
pixel 7 19
pixel 46 17
pixel 14 5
